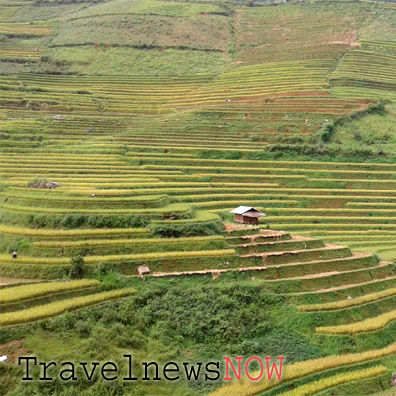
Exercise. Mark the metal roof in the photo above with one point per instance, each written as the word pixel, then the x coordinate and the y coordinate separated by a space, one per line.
pixel 243 209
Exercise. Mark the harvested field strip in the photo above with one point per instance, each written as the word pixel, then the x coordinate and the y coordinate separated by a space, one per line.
pixel 327 281
pixel 351 257
pixel 372 205
pixel 117 258
pixel 59 307
pixel 81 180
pixel 45 162
pixel 65 202
pixel 378 281
pixel 335 226
pixel 319 269
pixel 50 169
pixel 208 165
pixel 357 236
pixel 370 324
pixel 200 216
pixel 19 293
pixel 379 243
pixel 21 29
pixel 348 303
pixel 302 369
pixel 228 205
pixel 53 233
pixel 291 165
pixel 174 192
pixel 172 208
pixel 341 219
pixel 363 181
pixel 90 178
pixel 112 242
pixel 329 251
pixel 28 167
pixel 66 167
pixel 324 211
pixel 59 198
pixel 216 190
pixel 313 388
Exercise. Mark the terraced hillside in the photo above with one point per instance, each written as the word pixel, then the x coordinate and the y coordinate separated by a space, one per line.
pixel 107 201
pixel 339 292
pixel 326 288
pixel 129 130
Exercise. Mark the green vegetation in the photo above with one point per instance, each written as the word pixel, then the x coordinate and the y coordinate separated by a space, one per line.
pixel 134 61
pixel 148 322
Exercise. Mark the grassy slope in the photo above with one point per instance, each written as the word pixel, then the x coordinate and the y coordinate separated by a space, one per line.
pixel 211 320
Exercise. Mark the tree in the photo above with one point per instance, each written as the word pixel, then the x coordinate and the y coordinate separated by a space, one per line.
pixel 77 267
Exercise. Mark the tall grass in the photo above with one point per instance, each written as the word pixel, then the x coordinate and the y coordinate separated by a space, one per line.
pixel 52 233
pixel 103 242
pixel 114 258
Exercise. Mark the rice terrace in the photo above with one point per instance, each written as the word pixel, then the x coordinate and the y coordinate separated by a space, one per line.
pixel 197 198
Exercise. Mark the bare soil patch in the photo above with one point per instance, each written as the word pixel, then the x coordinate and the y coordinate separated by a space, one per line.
pixel 13 350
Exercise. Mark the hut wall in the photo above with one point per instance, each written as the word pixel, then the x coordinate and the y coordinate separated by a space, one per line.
pixel 238 218
pixel 249 220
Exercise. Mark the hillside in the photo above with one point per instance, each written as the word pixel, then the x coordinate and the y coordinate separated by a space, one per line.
pixel 130 129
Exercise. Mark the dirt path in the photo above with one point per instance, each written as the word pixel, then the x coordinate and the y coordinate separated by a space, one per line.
pixel 203 272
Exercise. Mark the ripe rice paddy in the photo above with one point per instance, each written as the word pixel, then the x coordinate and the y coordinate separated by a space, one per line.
pixel 151 153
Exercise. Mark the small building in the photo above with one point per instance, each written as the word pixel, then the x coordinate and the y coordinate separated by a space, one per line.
pixel 143 270
pixel 247 215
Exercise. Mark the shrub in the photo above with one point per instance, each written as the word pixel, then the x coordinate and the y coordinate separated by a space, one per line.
pixel 37 180
pixel 77 267
pixel 169 230
pixel 327 131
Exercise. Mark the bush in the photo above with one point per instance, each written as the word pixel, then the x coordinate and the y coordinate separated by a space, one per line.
pixel 177 230
pixel 104 268
pixel 77 267
pixel 328 129
pixel 37 180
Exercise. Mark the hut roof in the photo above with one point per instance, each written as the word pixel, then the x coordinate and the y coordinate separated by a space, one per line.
pixel 248 211
pixel 143 270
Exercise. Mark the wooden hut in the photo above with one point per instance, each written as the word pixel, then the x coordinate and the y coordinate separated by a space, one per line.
pixel 247 215
pixel 143 270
